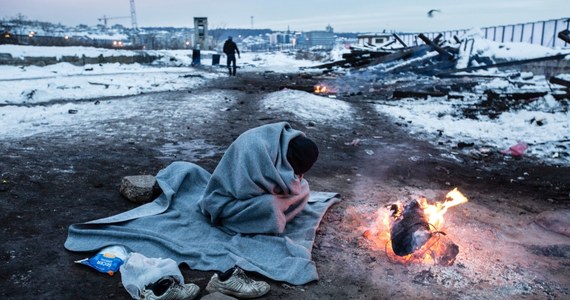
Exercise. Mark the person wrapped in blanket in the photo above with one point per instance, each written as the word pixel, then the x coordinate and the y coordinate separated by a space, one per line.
pixel 258 187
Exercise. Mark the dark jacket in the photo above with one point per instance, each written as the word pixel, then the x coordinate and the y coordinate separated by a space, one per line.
pixel 230 48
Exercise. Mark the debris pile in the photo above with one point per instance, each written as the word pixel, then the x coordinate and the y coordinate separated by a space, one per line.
pixel 466 61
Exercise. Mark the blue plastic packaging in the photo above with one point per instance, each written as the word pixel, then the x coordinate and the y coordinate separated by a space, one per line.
pixel 108 260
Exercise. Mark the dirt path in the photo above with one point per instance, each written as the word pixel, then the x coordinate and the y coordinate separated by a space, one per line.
pixel 53 180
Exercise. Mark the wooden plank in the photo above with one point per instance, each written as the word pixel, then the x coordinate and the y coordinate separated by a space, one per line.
pixel 399 40
pixel 559 81
pixel 435 47
pixel 505 64
pixel 564 35
pixel 399 94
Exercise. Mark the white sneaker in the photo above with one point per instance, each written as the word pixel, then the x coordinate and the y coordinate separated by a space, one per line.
pixel 175 291
pixel 238 285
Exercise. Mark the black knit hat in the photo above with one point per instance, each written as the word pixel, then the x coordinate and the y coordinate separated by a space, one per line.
pixel 302 154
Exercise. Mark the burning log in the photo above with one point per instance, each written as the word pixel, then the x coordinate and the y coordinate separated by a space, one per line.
pixel 411 230
pixel 414 231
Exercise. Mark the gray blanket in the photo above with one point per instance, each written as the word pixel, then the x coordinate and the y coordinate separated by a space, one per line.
pixel 179 224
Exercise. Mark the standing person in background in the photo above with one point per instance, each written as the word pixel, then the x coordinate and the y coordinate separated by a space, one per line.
pixel 230 49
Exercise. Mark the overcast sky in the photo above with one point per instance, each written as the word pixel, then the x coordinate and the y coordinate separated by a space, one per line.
pixel 342 15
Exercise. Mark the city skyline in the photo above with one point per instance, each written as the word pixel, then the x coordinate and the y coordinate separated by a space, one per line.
pixel 356 16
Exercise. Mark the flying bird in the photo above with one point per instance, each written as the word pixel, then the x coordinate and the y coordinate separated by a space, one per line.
pixel 431 12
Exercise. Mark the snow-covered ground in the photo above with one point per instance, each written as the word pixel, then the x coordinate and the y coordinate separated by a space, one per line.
pixel 29 98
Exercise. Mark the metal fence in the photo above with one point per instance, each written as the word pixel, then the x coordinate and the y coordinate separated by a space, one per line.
pixel 543 33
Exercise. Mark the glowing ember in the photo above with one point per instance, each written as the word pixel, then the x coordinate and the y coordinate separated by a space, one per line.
pixel 416 231
pixel 321 89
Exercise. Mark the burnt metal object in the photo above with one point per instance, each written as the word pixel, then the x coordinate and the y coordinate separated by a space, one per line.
pixel 410 230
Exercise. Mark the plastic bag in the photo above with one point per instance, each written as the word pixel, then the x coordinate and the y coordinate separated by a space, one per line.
pixel 516 150
pixel 139 271
pixel 108 260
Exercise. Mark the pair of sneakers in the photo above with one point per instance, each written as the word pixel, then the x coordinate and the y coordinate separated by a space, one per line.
pixel 168 288
pixel 238 284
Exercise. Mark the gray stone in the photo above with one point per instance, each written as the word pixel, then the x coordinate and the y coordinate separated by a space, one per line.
pixel 217 296
pixel 556 221
pixel 139 188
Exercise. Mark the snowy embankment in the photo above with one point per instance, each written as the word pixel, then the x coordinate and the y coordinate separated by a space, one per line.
pixel 64 81
pixel 53 98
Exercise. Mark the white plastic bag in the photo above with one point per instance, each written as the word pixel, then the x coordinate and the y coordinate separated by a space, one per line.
pixel 139 271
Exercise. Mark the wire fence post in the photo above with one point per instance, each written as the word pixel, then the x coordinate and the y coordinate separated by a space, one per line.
pixel 554 33
pixel 542 36
pixel 532 33
pixel 513 34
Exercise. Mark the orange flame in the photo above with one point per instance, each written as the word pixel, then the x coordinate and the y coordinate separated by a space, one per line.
pixel 434 249
pixel 320 89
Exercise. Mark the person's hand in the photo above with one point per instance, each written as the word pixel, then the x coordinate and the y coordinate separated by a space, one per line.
pixel 239 56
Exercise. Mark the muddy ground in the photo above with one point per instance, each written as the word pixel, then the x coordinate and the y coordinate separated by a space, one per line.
pixel 52 180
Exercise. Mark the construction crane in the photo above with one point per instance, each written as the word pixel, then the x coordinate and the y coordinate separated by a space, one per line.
pixel 133 17
pixel 105 19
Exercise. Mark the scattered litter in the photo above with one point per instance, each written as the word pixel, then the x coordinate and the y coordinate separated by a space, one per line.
pixel 516 150
pixel 369 152
pixel 139 271
pixel 108 260
pixel 353 143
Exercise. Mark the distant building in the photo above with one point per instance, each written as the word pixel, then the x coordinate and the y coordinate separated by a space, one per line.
pixel 316 39
pixel 373 39
pixel 280 38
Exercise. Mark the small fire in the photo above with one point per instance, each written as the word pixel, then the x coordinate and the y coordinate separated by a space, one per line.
pixel 424 240
pixel 321 89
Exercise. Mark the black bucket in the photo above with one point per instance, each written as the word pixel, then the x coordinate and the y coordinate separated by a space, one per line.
pixel 195 57
pixel 215 59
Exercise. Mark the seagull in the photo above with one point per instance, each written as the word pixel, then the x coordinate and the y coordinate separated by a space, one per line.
pixel 431 12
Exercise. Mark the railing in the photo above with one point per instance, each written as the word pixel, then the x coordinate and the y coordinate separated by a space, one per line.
pixel 543 33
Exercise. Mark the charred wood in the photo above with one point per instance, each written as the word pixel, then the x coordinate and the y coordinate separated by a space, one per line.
pixel 410 230
pixel 399 40
pixel 437 39
pixel 402 54
pixel 561 96
pixel 564 35
pixel 559 81
pixel 399 94
pixel 505 64
pixel 492 95
pixel 435 47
